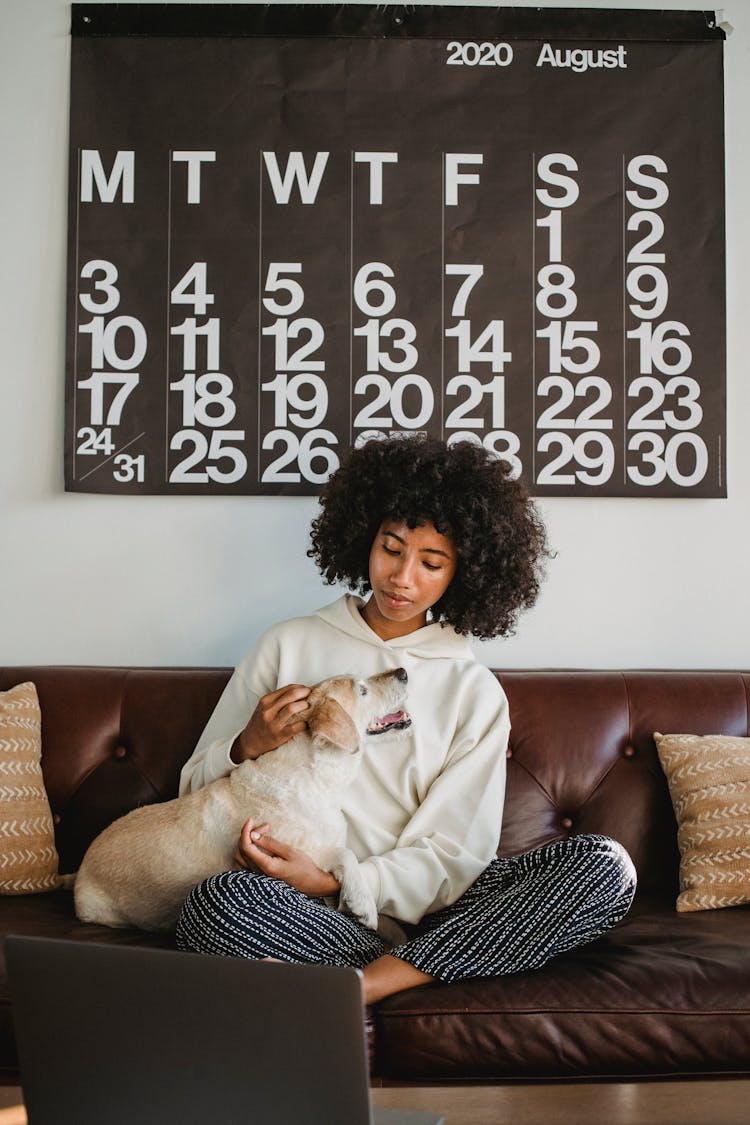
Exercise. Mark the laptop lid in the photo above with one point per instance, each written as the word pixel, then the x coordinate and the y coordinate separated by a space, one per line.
pixel 110 1035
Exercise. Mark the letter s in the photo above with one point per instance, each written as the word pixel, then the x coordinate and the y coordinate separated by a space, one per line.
pixel 557 179
pixel 658 187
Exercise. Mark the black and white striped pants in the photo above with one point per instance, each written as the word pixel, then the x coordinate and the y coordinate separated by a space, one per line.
pixel 520 912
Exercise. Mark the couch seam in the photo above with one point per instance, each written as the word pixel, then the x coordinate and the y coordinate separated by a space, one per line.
pixel 129 672
pixel 566 1012
pixel 616 759
pixel 90 773
pixel 626 684
pixel 553 803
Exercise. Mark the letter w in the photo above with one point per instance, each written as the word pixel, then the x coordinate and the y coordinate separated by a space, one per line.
pixel 295 171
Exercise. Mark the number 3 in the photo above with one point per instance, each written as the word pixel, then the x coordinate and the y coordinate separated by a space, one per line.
pixel 106 286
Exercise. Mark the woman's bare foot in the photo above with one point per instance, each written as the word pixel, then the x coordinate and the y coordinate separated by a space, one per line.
pixel 389 975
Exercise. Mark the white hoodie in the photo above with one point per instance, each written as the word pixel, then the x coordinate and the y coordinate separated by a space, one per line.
pixel 424 811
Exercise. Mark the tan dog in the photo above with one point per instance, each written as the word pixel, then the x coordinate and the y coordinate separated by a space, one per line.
pixel 140 869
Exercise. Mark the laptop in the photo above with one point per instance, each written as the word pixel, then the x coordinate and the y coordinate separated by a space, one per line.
pixel 109 1035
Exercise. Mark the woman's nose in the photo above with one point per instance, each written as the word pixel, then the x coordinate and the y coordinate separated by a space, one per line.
pixel 404 571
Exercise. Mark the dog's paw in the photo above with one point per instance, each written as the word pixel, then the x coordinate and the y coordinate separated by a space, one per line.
pixel 364 912
pixel 354 896
pixel 362 906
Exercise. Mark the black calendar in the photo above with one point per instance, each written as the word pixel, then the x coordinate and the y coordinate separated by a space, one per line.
pixel 293 229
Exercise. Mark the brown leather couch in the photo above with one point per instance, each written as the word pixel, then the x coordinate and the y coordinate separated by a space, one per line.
pixel 662 994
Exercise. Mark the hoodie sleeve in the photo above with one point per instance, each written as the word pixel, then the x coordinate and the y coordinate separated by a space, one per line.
pixel 454 833
pixel 253 678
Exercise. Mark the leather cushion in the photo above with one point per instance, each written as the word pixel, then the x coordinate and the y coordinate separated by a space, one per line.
pixel 662 993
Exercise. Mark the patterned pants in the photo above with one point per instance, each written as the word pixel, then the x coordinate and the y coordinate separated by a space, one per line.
pixel 520 912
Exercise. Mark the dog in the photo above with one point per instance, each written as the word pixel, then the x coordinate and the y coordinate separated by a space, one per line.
pixel 140 869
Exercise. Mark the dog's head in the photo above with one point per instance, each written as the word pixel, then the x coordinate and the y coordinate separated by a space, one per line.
pixel 344 710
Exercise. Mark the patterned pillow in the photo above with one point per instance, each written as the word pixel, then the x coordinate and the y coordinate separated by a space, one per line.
pixel 28 859
pixel 709 782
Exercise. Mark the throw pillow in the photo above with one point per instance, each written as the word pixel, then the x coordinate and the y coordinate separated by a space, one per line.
pixel 28 859
pixel 709 782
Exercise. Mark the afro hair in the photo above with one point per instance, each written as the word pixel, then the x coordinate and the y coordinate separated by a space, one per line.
pixel 467 494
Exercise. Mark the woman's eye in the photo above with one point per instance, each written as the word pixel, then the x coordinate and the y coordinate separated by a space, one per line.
pixel 389 550
pixel 431 566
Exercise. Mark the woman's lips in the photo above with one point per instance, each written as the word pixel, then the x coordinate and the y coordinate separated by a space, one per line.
pixel 395 601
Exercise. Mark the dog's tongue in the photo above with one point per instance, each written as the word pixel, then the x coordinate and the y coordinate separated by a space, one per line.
pixel 394 718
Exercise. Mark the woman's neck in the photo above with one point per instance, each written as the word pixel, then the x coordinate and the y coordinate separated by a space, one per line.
pixel 384 628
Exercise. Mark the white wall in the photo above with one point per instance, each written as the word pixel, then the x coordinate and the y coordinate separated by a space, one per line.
pixel 192 580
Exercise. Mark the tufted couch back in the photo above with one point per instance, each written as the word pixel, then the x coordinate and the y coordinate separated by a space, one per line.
pixel 114 738
pixel 581 755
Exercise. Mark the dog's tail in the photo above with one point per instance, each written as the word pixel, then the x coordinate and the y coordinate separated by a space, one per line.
pixel 68 881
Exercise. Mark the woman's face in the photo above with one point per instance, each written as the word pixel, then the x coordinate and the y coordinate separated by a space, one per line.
pixel 410 570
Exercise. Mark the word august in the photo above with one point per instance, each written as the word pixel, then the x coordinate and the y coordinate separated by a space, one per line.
pixel 579 59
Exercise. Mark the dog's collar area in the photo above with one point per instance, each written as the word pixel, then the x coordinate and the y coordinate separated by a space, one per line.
pixel 397 720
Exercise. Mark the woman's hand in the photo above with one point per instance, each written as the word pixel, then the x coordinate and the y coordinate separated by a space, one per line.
pixel 257 851
pixel 272 723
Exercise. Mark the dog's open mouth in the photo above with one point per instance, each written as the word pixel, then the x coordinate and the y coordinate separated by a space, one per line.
pixel 398 720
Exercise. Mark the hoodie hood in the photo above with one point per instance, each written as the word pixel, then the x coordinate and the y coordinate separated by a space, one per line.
pixel 431 641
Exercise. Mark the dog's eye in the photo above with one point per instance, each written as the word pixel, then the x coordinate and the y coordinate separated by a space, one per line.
pixel 363 689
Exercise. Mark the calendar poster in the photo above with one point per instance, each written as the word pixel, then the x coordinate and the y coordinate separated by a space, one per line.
pixel 294 229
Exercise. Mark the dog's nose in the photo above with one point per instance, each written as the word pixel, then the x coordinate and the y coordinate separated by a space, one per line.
pixel 401 674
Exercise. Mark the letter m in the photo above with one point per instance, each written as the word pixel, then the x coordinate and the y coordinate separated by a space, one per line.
pixel 121 176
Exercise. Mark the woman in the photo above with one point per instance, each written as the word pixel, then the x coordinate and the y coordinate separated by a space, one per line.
pixel 444 545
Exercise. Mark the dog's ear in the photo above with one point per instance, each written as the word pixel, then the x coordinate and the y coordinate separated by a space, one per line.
pixel 329 722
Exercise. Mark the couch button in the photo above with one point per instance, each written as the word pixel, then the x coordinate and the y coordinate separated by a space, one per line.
pixel 509 753
pixel 629 751
pixel 56 818
pixel 120 752
pixel 566 822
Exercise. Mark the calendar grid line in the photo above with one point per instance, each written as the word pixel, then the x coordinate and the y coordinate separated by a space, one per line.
pixel 442 303
pixel 624 343
pixel 351 298
pixel 259 398
pixel 75 326
pixel 533 317
pixel 169 313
